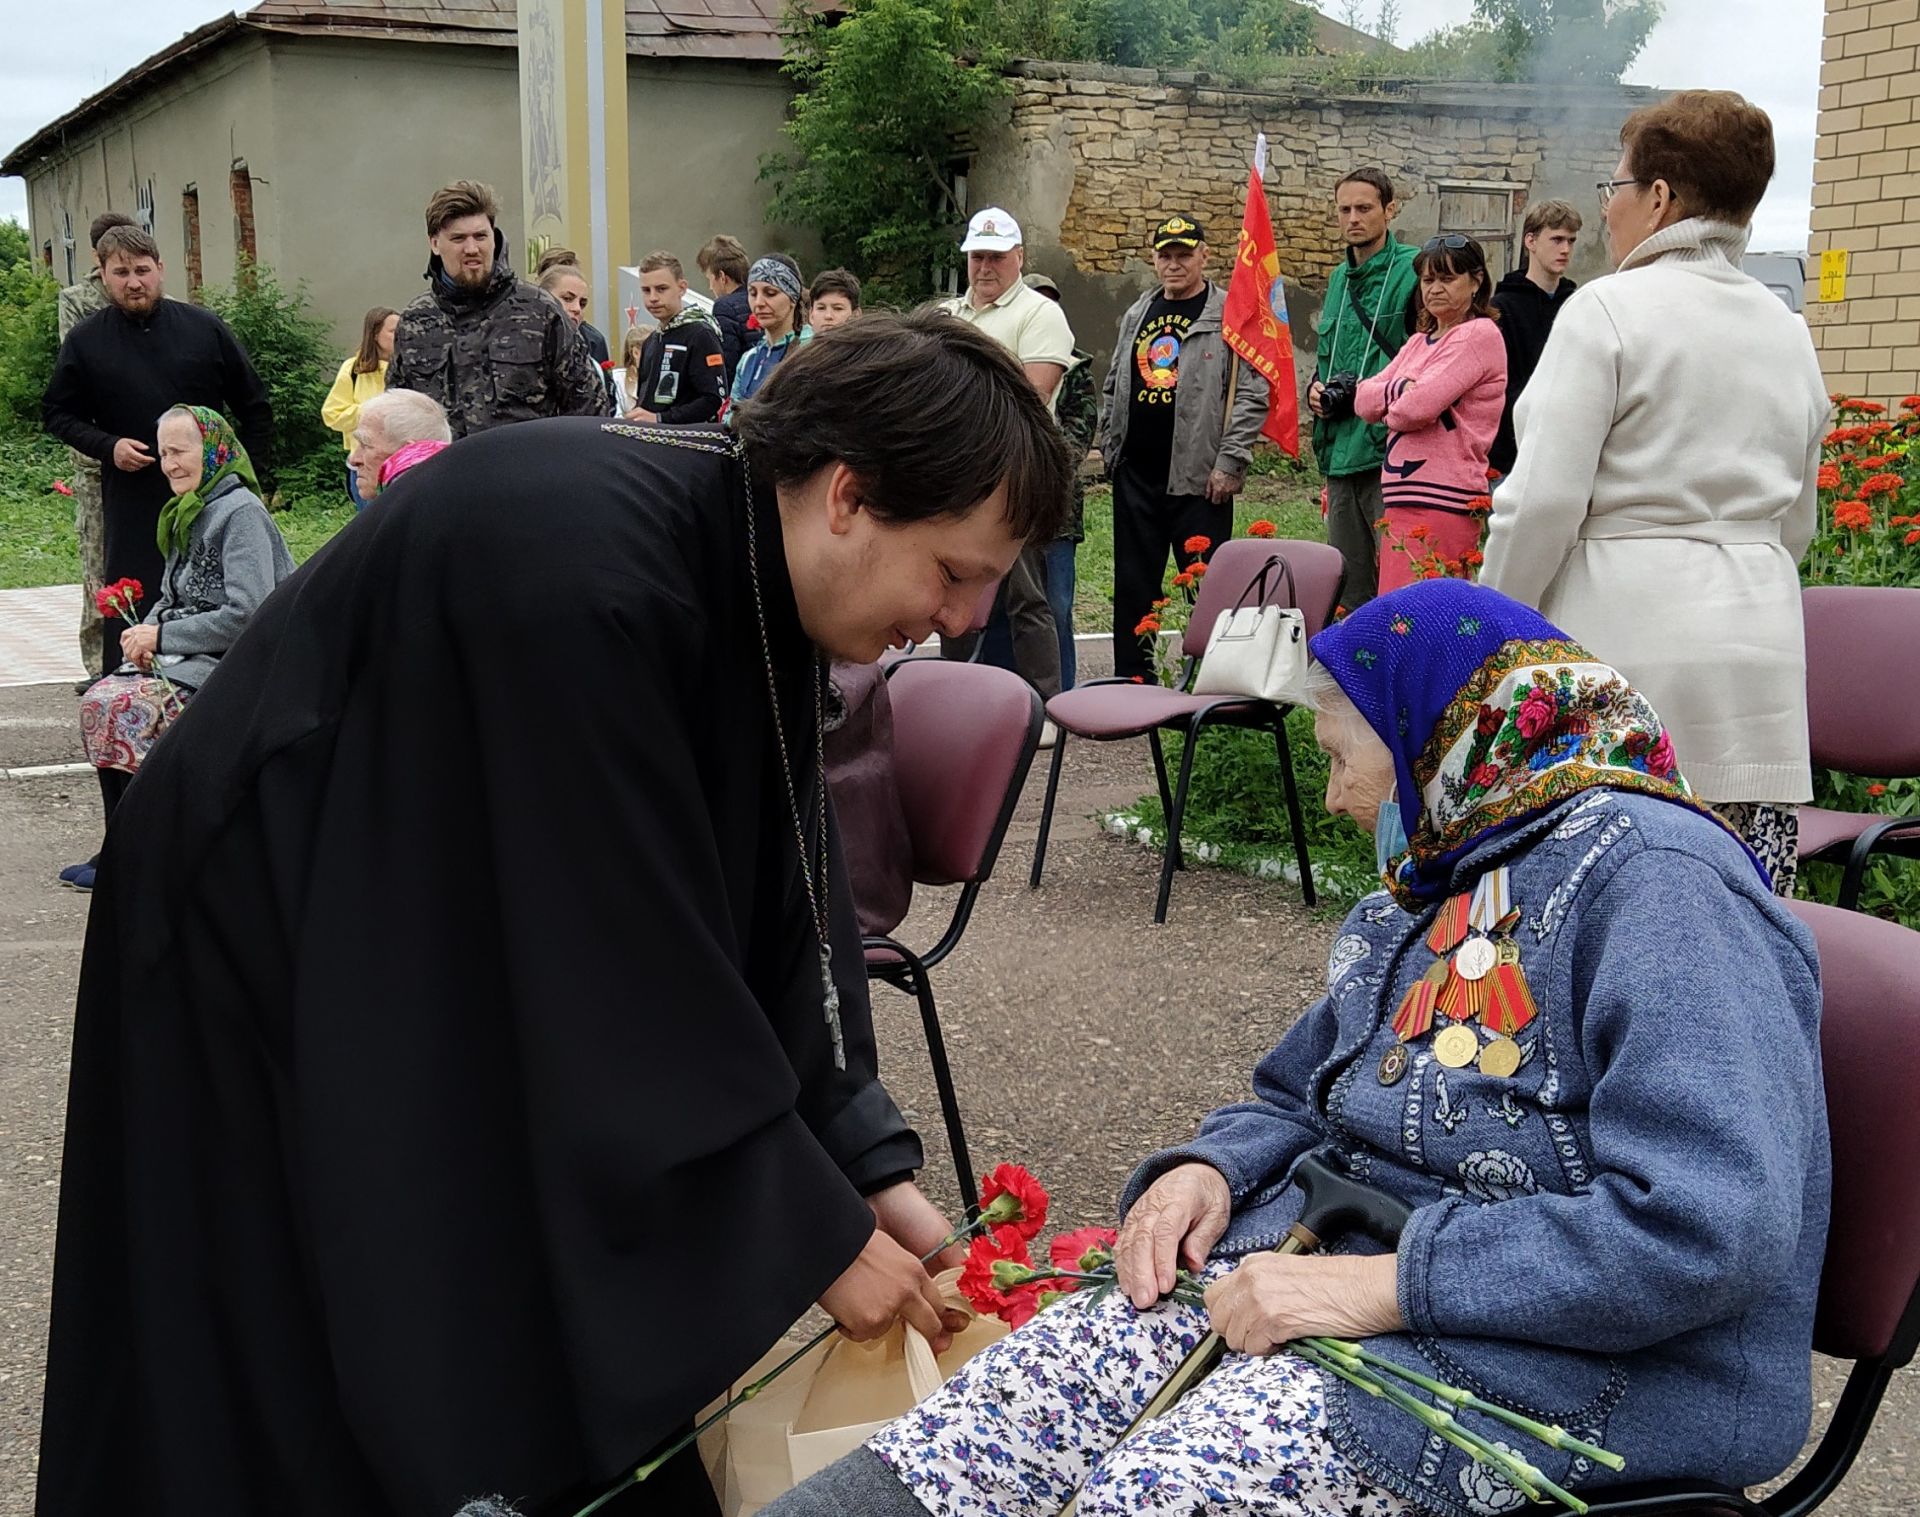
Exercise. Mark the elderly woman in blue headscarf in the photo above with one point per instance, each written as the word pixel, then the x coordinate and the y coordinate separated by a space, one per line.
pixel 1574 1033
pixel 223 557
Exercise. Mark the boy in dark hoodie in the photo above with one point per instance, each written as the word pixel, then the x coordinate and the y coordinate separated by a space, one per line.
pixel 724 261
pixel 1528 299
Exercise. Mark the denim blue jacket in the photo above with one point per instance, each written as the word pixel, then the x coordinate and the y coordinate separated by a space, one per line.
pixel 1624 1238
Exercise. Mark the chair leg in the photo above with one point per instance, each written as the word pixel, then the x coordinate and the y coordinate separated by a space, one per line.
pixel 1859 856
pixel 1166 797
pixel 1174 815
pixel 949 1098
pixel 1046 807
pixel 1295 820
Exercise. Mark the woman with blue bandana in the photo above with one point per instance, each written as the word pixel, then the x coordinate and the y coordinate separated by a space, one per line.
pixel 775 294
pixel 1574 1033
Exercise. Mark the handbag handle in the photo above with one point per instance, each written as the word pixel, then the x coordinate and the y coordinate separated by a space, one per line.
pixel 1257 586
pixel 924 1374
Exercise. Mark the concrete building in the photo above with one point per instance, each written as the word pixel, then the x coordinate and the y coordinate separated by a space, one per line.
pixel 1863 257
pixel 310 133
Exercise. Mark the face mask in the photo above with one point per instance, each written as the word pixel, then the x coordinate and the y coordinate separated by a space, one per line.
pixel 1389 835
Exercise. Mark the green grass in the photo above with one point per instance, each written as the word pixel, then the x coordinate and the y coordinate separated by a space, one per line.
pixel 1286 496
pixel 37 544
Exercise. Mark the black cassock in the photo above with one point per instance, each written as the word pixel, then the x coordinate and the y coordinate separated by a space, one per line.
pixel 453 1108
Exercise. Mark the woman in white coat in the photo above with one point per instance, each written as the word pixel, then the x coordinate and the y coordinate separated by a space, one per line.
pixel 1664 489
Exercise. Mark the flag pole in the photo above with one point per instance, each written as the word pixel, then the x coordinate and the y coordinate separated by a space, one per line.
pixel 1234 359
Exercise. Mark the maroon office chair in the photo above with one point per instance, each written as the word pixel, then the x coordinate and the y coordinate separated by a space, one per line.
pixel 1860 720
pixel 964 737
pixel 1109 710
pixel 1869 1307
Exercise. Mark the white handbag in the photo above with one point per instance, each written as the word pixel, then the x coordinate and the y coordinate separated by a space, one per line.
pixel 1256 649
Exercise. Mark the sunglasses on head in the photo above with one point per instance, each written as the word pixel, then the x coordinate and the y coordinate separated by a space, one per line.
pixel 1451 242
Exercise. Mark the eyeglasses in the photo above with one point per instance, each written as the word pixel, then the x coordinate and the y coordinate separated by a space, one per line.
pixel 1451 242
pixel 1606 187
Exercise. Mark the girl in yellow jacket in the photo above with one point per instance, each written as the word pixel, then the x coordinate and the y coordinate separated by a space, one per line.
pixel 361 377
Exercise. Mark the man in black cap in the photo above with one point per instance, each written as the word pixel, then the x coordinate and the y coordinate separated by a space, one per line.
pixel 1177 427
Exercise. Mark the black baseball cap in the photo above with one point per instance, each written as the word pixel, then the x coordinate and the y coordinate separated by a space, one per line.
pixel 1178 231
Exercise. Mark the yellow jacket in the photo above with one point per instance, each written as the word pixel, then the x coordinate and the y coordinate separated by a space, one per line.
pixel 341 409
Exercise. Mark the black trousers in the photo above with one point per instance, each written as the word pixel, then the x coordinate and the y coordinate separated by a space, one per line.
pixel 1148 524
pixel 1036 641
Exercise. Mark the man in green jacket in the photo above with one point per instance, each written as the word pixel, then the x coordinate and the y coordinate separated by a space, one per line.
pixel 1362 325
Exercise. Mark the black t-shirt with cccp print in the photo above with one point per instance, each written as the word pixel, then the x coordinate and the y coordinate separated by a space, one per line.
pixel 1154 376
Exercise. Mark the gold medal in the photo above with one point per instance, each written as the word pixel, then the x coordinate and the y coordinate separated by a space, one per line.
pixel 1456 1046
pixel 1500 1058
pixel 1393 1064
pixel 1475 958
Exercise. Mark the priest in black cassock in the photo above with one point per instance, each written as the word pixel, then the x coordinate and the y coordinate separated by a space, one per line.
pixel 117 371
pixel 459 1097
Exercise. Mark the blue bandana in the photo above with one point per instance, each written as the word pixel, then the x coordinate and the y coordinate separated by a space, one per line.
pixel 1493 716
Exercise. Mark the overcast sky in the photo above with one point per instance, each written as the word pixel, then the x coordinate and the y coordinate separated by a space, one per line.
pixel 1771 54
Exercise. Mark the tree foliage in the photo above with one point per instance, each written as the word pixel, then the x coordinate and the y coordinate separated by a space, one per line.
pixel 1541 41
pixel 29 330
pixel 292 351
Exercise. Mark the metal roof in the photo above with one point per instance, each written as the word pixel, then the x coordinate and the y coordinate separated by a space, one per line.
pixel 730 30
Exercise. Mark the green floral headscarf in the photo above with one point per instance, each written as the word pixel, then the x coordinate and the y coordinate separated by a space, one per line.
pixel 223 457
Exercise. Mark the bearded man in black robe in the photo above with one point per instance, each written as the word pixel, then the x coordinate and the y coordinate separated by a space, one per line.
pixel 460 1093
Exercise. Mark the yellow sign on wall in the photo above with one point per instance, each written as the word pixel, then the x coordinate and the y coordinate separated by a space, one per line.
pixel 1833 274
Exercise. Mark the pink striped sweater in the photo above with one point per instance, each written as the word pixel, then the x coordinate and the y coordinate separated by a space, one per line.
pixel 1441 399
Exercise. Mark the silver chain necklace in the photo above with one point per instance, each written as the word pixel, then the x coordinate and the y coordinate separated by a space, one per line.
pixel 813 866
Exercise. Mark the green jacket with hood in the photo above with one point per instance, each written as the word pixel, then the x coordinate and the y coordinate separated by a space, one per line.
pixel 1362 325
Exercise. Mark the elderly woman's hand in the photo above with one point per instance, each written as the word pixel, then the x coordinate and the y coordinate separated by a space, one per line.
pixel 1173 1226
pixel 1271 1299
pixel 137 644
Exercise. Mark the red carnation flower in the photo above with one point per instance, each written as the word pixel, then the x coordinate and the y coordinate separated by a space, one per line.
pixel 1012 1196
pixel 987 1258
pixel 1198 544
pixel 1085 1248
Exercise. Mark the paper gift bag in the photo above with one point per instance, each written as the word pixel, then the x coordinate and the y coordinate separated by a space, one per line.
pixel 832 1401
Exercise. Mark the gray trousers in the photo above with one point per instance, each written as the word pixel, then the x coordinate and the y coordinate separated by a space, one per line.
pixel 1353 526
pixel 1036 641
pixel 859 1485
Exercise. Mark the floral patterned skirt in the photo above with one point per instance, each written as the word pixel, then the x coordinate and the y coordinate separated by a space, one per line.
pixel 122 717
pixel 1773 833
pixel 1037 1416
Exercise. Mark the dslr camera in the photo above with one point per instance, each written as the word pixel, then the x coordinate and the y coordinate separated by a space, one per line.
pixel 1336 396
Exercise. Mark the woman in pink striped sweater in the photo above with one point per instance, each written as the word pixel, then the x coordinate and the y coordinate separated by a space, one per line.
pixel 1441 399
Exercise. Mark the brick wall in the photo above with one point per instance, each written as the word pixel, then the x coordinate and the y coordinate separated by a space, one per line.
pixel 1866 198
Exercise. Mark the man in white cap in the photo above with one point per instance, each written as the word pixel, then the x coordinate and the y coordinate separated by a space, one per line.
pixel 1034 329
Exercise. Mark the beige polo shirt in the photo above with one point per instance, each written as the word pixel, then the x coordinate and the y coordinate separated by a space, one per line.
pixel 1027 324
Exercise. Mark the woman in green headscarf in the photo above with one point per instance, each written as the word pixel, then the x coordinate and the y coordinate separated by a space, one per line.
pixel 223 557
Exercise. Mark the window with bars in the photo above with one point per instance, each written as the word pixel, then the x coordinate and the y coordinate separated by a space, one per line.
pixel 190 236
pixel 1490 213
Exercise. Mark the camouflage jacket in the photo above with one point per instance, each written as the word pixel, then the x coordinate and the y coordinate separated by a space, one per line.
pixel 1078 412
pixel 503 354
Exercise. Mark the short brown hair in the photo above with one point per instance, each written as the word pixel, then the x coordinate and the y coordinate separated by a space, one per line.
pixel 1375 177
pixel 104 223
pixel 724 255
pixel 662 260
pixel 129 241
pixel 1550 215
pixel 835 282
pixel 464 197
pixel 1714 149
pixel 1438 258
pixel 556 258
pixel 928 411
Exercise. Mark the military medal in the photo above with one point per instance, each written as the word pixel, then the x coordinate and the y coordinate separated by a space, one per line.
pixel 1500 1058
pixel 1510 1004
pixel 1393 1064
pixel 1462 1000
pixel 1475 958
pixel 1455 1046
pixel 1449 926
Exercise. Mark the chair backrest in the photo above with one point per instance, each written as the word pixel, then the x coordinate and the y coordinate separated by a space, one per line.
pixel 1870 1048
pixel 1231 569
pixel 964 736
pixel 1859 641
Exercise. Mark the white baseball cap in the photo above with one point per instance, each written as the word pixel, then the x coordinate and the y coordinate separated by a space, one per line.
pixel 991 231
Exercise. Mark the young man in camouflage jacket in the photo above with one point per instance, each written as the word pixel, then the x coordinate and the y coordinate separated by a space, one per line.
pixel 490 348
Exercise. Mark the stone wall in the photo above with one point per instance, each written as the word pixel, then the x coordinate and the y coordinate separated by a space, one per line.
pixel 1866 199
pixel 1089 158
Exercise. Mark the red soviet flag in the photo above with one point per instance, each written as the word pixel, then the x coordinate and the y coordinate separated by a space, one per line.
pixel 1255 322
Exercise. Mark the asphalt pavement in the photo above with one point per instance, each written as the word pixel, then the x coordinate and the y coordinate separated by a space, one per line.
pixel 1081 1035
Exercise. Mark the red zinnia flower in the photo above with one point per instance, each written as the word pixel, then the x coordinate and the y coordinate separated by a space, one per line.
pixel 1473 558
pixel 1261 528
pixel 1876 791
pixel 1913 537
pixel 1418 531
pixel 1011 1195
pixel 1882 484
pixel 1147 626
pixel 1868 407
pixel 1198 544
pixel 1852 515
pixel 1910 403
pixel 1829 477
pixel 1182 580
pixel 1198 571
pixel 1480 505
pixel 63 487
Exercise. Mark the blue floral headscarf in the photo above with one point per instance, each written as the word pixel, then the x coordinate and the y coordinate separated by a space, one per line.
pixel 1493 715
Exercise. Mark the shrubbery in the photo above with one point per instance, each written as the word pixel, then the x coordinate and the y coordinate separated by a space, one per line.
pixel 29 330
pixel 292 351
